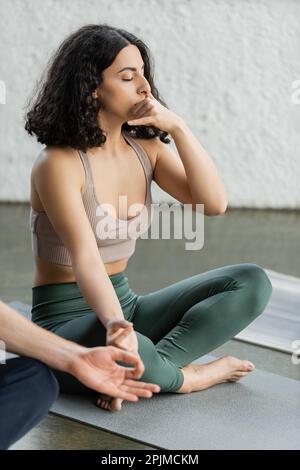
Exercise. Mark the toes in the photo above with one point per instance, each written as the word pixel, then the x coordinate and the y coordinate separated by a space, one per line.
pixel 103 403
pixel 233 362
pixel 237 376
pixel 118 406
pixel 238 364
pixel 103 398
pixel 109 403
pixel 234 378
pixel 242 374
pixel 248 366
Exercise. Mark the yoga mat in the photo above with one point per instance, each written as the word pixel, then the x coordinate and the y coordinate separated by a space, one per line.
pixel 259 412
pixel 278 327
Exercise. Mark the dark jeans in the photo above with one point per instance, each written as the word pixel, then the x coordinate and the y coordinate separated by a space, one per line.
pixel 27 390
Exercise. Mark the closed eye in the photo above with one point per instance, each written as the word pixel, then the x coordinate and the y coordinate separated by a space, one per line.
pixel 130 79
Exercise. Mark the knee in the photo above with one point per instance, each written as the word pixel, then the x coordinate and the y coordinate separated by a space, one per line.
pixel 256 276
pixel 149 356
pixel 146 349
pixel 257 283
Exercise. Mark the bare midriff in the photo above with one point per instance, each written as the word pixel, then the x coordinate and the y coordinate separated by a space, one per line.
pixel 50 273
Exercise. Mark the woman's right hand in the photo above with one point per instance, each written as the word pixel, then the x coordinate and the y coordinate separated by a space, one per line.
pixel 120 333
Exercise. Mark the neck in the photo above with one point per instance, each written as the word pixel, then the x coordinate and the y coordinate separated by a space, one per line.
pixel 115 142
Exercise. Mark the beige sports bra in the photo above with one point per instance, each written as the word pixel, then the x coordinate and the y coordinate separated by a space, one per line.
pixel 116 238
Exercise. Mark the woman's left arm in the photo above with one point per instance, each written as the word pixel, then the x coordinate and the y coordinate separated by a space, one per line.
pixel 205 185
pixel 196 179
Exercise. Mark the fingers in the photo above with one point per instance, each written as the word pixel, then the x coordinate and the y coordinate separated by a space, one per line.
pixel 125 332
pixel 125 356
pixel 131 357
pixel 145 112
pixel 138 371
pixel 132 390
pixel 140 389
pixel 126 396
pixel 146 105
pixel 135 373
pixel 141 122
pixel 142 385
pixel 114 325
pixel 120 334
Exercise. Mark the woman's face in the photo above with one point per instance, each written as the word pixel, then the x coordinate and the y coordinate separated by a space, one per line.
pixel 122 89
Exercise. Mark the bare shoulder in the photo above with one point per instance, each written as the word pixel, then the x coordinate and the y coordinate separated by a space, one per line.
pixel 151 148
pixel 58 160
pixel 53 153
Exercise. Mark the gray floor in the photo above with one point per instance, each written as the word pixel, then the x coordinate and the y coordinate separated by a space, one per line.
pixel 268 238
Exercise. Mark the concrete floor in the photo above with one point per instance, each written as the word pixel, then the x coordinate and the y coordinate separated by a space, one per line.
pixel 268 238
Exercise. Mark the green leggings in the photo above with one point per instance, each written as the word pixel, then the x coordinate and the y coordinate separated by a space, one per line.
pixel 174 325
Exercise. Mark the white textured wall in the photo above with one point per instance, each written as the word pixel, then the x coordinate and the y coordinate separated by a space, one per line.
pixel 226 67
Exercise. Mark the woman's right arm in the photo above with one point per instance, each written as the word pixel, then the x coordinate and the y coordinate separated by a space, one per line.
pixel 58 177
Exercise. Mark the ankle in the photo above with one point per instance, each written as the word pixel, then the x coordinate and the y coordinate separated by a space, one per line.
pixel 185 387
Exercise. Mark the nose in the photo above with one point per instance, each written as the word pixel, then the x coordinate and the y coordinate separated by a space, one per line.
pixel 145 88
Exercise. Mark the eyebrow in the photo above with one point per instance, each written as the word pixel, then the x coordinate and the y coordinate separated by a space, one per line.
pixel 130 68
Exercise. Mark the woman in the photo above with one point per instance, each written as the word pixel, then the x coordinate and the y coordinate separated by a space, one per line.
pixel 105 129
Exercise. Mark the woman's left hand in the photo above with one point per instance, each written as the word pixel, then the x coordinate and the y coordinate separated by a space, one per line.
pixel 149 112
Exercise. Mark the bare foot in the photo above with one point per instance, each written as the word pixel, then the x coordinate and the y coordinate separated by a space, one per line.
pixel 201 376
pixel 106 402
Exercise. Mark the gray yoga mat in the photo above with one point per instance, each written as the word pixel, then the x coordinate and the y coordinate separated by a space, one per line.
pixel 278 327
pixel 259 412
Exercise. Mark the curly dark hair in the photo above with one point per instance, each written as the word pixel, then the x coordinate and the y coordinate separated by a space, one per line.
pixel 64 111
